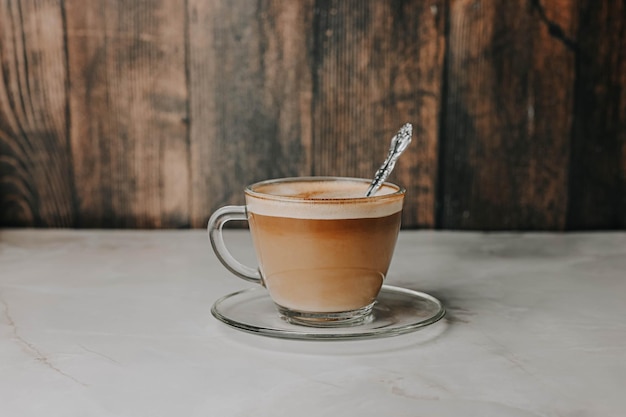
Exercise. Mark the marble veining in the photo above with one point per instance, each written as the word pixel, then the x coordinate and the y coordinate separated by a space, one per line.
pixel 118 323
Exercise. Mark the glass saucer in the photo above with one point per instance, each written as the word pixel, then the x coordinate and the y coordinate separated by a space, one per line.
pixel 397 311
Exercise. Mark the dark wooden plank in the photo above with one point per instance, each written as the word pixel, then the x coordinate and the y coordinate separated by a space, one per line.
pixel 597 185
pixel 166 111
pixel 128 112
pixel 377 66
pixel 507 118
pixel 35 167
pixel 250 98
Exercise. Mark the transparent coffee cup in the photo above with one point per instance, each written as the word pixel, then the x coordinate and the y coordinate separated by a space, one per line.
pixel 323 248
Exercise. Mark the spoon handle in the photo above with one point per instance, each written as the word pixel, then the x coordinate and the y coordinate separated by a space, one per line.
pixel 399 143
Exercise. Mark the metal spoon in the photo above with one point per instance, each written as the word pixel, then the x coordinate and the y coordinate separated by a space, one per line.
pixel 398 144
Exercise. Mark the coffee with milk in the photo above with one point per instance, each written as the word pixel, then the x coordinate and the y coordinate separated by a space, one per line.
pixel 323 248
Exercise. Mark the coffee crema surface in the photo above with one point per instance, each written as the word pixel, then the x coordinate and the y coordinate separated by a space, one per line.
pixel 322 245
pixel 329 199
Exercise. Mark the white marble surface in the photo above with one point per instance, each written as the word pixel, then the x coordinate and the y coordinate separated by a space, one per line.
pixel 112 323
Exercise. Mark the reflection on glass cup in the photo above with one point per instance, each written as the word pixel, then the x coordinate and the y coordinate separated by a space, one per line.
pixel 323 248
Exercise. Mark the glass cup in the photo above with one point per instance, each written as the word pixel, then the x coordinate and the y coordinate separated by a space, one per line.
pixel 323 248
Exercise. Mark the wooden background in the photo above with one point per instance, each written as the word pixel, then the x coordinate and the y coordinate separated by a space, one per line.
pixel 152 113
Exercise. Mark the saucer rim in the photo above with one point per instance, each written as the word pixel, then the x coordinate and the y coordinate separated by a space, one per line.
pixel 336 333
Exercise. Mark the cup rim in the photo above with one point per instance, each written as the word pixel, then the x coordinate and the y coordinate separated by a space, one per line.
pixel 249 190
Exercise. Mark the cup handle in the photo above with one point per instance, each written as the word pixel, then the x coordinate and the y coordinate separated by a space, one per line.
pixel 216 237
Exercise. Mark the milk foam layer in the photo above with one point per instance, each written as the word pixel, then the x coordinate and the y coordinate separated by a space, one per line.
pixel 323 199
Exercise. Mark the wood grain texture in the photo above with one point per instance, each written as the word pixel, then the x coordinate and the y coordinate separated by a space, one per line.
pixel 250 101
pixel 35 168
pixel 597 185
pixel 378 65
pixel 128 109
pixel 505 133
pixel 152 114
